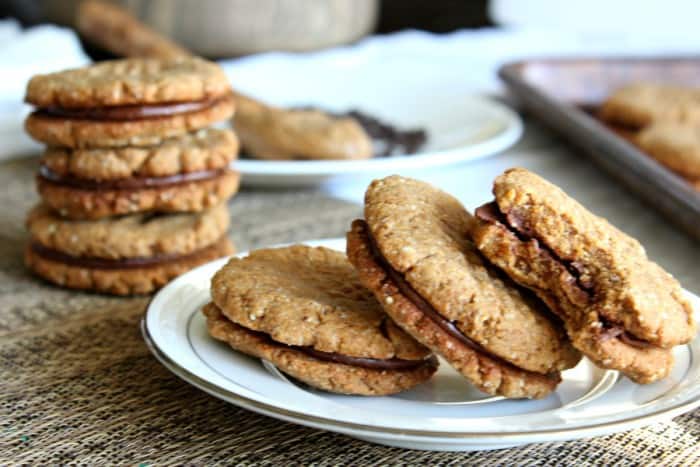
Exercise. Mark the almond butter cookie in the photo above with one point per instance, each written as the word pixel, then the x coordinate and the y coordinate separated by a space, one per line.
pixel 126 255
pixel 304 310
pixel 640 104
pixel 131 102
pixel 621 310
pixel 413 251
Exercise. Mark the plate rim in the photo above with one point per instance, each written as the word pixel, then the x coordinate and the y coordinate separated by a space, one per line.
pixel 371 431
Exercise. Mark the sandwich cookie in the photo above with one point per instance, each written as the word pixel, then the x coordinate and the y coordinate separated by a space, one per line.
pixel 675 145
pixel 414 253
pixel 128 255
pixel 304 310
pixel 185 173
pixel 621 310
pixel 131 102
pixel 640 104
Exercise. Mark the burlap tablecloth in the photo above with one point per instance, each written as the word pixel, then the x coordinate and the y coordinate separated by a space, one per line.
pixel 79 386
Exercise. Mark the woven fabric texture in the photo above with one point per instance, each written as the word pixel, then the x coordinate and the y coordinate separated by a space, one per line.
pixel 79 385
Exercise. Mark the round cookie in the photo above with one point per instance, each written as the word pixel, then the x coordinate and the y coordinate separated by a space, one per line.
pixel 677 146
pixel 208 149
pixel 621 310
pixel 413 251
pixel 305 310
pixel 134 236
pixel 128 255
pixel 640 104
pixel 86 133
pixel 275 133
pixel 134 81
pixel 82 199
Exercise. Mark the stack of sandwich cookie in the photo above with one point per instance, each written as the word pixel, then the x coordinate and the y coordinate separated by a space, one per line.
pixel 128 144
pixel 413 251
pixel 621 310
pixel 304 310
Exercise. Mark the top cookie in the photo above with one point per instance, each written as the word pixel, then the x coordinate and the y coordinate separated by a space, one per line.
pixel 305 296
pixel 129 82
pixel 423 233
pixel 640 104
pixel 629 289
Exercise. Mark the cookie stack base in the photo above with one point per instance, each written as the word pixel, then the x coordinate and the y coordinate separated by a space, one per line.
pixel 121 280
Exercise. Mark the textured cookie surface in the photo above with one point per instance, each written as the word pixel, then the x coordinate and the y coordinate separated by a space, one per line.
pixel 490 374
pixel 593 275
pixel 133 236
pixel 273 133
pixel 675 145
pixel 83 133
pixel 77 203
pixel 309 297
pixel 131 81
pixel 640 104
pixel 207 149
pixel 422 233
pixel 128 281
pixel 333 377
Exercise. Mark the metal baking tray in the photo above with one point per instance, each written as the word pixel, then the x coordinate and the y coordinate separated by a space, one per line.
pixel 564 93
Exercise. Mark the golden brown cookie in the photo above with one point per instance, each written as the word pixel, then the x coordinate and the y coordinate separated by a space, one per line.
pixel 639 104
pixel 86 199
pixel 134 236
pixel 57 255
pixel 69 129
pixel 305 310
pixel 675 145
pixel 129 82
pixel 268 132
pixel 414 252
pixel 621 310
pixel 118 31
pixel 208 149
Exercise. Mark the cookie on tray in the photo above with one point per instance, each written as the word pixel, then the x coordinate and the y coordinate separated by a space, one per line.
pixel 131 102
pixel 413 251
pixel 640 104
pixel 675 145
pixel 185 173
pixel 621 310
pixel 127 255
pixel 304 310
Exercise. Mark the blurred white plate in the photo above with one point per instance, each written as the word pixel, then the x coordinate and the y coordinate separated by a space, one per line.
pixel 406 91
pixel 445 413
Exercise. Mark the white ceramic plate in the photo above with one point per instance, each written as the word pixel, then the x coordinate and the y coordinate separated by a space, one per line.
pixel 468 129
pixel 445 413
pixel 407 89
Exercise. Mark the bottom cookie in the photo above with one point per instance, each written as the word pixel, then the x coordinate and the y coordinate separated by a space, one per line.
pixel 489 373
pixel 119 277
pixel 326 375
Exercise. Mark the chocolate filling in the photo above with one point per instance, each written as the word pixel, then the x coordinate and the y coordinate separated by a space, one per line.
pixel 127 183
pixel 333 357
pixel 426 308
pixel 127 112
pixel 491 213
pixel 372 363
pixel 109 264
